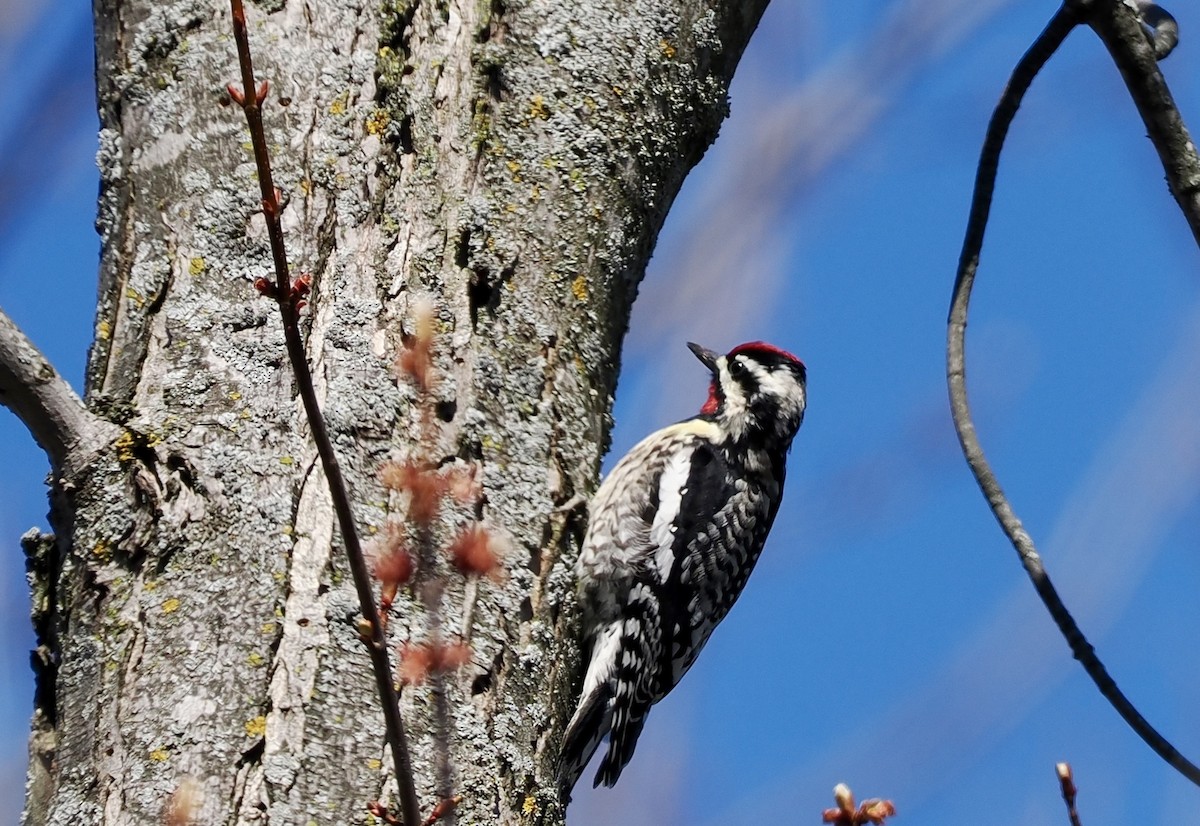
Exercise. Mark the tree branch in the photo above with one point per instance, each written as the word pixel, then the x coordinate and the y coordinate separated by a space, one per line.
pixel 1119 27
pixel 290 295
pixel 1064 21
pixel 32 389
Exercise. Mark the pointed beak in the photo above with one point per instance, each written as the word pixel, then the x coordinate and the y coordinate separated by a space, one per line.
pixel 707 357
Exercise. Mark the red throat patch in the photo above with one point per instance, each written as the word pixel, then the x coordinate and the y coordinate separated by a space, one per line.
pixel 710 406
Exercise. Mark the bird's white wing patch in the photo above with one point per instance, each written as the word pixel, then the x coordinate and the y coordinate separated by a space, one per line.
pixel 603 664
pixel 671 487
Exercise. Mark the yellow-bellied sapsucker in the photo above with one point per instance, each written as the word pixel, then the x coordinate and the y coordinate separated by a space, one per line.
pixel 673 533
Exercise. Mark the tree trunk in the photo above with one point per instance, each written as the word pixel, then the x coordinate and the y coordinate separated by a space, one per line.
pixel 511 161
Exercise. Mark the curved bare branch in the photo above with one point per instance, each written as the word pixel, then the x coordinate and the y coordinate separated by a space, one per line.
pixel 1027 68
pixel 32 389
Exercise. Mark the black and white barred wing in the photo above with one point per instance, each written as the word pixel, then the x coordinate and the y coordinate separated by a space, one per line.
pixel 723 522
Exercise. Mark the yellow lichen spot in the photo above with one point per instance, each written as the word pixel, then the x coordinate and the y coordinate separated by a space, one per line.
pixel 618 91
pixel 530 806
pixel 159 755
pixel 377 121
pixel 256 660
pixel 170 605
pixel 306 186
pixel 515 169
pixel 535 194
pixel 104 331
pixel 153 439
pixel 667 49
pixel 136 297
pixel 537 108
pixel 589 103
pixel 196 266
pixel 248 146
pixel 267 629
pixel 510 207
pixel 150 585
pixel 338 107
pixel 234 396
pixel 579 288
pixel 245 414
pixel 286 460
pixel 374 764
pixel 288 530
pixel 256 727
pixel 124 446
pixel 279 576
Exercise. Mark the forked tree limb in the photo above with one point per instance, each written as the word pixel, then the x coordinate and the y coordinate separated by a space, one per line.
pixel 1135 47
pixel 44 402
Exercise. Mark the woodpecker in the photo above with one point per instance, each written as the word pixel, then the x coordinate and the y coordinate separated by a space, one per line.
pixel 674 531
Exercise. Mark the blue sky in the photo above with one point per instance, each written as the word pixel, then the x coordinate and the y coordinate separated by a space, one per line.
pixel 888 639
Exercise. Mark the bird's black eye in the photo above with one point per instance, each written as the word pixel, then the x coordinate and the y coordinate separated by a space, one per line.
pixel 737 369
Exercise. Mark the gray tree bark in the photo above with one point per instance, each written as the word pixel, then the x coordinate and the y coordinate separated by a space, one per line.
pixel 514 161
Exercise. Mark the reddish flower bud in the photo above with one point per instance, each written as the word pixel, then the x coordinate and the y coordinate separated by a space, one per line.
pixel 265 287
pixel 424 486
pixel 416 359
pixel 380 811
pixel 462 482
pixel 444 807
pixel 418 661
pixel 261 94
pixel 184 803
pixel 474 552
pixel 874 811
pixel 302 285
pixel 236 94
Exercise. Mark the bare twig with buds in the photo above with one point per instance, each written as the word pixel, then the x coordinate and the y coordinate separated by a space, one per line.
pixel 290 296
pixel 874 811
pixel 1072 13
pixel 1066 780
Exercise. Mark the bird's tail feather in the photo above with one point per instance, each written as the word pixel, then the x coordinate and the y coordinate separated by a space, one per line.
pixel 587 728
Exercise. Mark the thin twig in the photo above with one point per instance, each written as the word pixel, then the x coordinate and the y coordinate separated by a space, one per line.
pixel 1066 782
pixel 985 180
pixel 34 391
pixel 288 308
